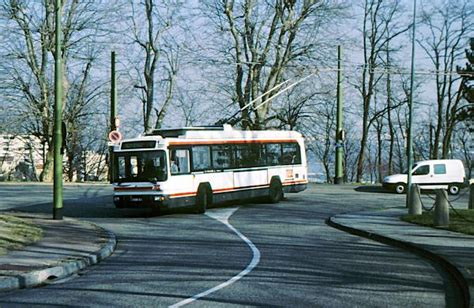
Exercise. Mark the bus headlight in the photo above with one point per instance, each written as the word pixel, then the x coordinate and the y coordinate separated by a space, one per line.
pixel 159 198
pixel 117 199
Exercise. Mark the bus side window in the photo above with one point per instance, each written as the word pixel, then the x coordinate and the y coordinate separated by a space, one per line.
pixel 221 156
pixel 291 154
pixel 238 155
pixel 273 151
pixel 201 157
pixel 256 155
pixel 179 161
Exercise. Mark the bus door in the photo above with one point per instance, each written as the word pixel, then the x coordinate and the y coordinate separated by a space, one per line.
pixel 181 181
pixel 291 159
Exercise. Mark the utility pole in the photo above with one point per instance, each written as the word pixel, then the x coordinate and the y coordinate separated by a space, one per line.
pixel 338 178
pixel 58 110
pixel 410 116
pixel 113 112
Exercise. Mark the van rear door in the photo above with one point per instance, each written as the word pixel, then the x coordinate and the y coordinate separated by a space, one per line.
pixel 440 175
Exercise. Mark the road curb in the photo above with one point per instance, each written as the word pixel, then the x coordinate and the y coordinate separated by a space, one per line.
pixel 456 276
pixel 67 268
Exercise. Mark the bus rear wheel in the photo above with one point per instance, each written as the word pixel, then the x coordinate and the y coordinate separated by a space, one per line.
pixel 203 200
pixel 275 193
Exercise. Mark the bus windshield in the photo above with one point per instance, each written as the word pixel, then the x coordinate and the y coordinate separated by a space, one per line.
pixel 146 166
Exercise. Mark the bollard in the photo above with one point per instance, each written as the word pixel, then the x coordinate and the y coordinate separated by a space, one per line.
pixel 441 210
pixel 414 204
pixel 471 196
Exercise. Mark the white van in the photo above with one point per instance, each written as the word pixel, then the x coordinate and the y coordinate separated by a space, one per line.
pixel 430 174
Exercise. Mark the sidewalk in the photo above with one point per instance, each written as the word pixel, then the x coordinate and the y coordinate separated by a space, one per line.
pixel 67 246
pixel 453 251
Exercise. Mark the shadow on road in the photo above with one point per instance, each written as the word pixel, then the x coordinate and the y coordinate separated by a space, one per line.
pixel 371 189
pixel 102 207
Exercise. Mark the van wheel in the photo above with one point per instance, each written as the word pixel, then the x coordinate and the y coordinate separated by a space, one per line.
pixel 400 188
pixel 203 199
pixel 453 189
pixel 275 193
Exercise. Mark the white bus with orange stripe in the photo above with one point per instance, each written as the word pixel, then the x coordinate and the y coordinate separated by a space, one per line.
pixel 199 166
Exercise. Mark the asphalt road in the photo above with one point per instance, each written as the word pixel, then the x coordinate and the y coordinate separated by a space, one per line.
pixel 267 255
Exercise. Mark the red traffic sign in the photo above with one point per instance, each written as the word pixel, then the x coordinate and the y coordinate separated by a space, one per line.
pixel 115 136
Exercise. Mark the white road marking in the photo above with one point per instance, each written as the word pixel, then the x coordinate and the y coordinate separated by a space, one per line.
pixel 223 216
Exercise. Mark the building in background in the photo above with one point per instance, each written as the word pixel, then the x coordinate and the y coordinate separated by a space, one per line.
pixel 21 159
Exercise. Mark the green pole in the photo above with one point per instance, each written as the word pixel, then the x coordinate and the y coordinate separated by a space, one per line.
pixel 410 113
pixel 113 112
pixel 113 94
pixel 58 108
pixel 338 179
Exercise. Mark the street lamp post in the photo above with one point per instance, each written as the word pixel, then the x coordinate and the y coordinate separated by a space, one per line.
pixel 113 112
pixel 338 178
pixel 58 108
pixel 409 204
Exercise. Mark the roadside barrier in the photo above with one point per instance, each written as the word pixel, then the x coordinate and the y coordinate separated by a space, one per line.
pixel 445 199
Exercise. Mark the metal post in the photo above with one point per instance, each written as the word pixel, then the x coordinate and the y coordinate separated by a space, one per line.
pixel 58 109
pixel 471 196
pixel 113 112
pixel 414 207
pixel 441 210
pixel 410 110
pixel 338 178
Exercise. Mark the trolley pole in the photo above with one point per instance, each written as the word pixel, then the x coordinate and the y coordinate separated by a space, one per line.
pixel 58 109
pixel 338 178
pixel 410 114
pixel 113 111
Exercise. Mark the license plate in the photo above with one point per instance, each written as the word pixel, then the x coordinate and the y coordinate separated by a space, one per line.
pixel 136 199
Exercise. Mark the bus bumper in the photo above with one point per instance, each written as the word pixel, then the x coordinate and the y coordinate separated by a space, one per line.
pixel 141 201
pixel 294 188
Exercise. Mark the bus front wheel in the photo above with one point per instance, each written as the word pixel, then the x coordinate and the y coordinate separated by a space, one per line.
pixel 275 193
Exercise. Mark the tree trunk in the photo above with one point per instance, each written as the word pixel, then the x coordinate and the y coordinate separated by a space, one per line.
pixel 48 168
pixel 379 154
pixel 363 141
pixel 391 128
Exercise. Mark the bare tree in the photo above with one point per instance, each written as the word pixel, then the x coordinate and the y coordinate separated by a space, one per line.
pixel 446 27
pixel 321 134
pixel 262 41
pixel 160 54
pixel 380 18
pixel 464 141
pixel 351 149
pixel 83 111
pixel 467 73
pixel 28 56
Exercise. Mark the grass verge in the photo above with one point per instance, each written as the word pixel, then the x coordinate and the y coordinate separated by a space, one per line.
pixel 459 221
pixel 17 232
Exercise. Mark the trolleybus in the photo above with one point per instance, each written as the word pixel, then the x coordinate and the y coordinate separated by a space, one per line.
pixel 198 166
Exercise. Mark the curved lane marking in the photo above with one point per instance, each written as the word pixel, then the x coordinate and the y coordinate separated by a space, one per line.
pixel 223 216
